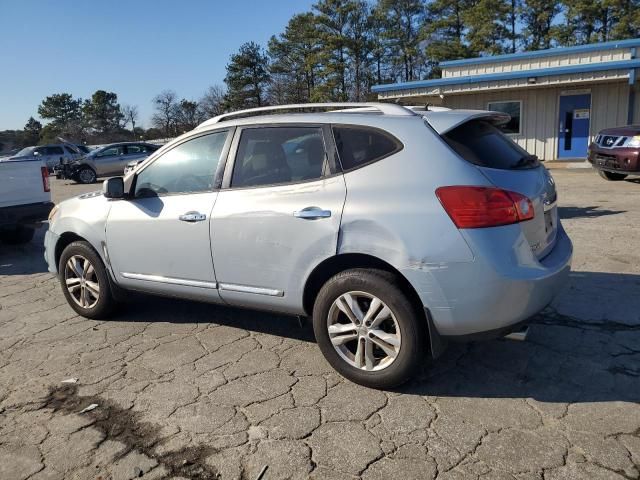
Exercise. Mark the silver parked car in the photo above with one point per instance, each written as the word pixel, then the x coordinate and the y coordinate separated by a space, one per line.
pixel 104 161
pixel 395 230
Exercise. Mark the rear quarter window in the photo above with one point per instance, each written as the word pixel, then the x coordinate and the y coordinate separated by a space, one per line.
pixel 358 146
pixel 481 143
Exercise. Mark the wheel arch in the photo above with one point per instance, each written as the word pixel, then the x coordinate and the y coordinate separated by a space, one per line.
pixel 65 240
pixel 345 261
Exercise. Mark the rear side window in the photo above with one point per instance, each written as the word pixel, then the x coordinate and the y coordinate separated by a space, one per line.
pixel 358 146
pixel 481 143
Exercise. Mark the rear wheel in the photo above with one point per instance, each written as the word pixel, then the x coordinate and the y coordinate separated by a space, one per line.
pixel 85 282
pixel 18 236
pixel 86 175
pixel 611 176
pixel 367 328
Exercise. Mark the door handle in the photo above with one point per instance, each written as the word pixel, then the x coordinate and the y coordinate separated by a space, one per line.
pixel 312 213
pixel 193 217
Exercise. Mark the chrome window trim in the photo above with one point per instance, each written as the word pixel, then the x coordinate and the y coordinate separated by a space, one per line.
pixel 170 280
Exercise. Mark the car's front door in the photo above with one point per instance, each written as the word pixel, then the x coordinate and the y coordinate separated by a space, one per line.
pixel 277 216
pixel 159 240
pixel 108 161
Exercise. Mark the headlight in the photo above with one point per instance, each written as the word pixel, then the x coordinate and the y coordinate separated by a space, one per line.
pixel 634 142
pixel 53 212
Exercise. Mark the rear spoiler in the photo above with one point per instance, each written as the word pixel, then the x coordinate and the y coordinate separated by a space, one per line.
pixel 444 121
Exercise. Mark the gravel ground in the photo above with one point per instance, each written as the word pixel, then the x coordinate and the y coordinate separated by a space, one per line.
pixel 186 390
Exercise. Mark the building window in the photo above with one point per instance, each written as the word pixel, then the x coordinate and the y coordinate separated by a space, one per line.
pixel 513 108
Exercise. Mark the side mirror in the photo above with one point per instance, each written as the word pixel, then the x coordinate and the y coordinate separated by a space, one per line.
pixel 36 154
pixel 113 187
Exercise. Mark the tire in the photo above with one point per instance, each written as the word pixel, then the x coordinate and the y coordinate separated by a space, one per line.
pixel 86 175
pixel 404 327
pixel 611 176
pixel 88 276
pixel 18 236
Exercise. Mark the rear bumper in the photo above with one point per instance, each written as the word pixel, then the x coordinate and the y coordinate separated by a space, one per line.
pixel 494 294
pixel 25 214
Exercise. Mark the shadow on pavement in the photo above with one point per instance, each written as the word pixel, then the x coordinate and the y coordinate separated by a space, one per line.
pixel 586 349
pixel 24 259
pixel 585 212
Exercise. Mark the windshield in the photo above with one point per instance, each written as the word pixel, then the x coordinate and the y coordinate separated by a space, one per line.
pixel 25 152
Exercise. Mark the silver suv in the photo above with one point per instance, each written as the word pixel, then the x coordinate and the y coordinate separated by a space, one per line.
pixel 395 230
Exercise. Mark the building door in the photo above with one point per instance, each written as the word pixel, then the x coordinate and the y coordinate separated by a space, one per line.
pixel 573 134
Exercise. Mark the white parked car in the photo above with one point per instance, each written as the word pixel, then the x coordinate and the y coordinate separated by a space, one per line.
pixel 25 199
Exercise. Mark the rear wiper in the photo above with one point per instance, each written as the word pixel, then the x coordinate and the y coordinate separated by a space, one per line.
pixel 525 161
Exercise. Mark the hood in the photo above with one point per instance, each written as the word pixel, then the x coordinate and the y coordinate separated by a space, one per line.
pixel 626 131
pixel 443 121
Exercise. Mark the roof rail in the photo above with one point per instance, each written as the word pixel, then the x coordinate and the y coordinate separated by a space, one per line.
pixel 384 108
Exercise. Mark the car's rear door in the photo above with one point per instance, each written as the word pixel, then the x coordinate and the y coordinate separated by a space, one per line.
pixel 159 240
pixel 277 216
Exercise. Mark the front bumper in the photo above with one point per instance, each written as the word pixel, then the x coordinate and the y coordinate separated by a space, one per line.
pixel 494 294
pixel 66 171
pixel 31 213
pixel 617 160
pixel 50 241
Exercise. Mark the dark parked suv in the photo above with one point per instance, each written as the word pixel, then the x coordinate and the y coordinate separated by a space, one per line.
pixel 615 152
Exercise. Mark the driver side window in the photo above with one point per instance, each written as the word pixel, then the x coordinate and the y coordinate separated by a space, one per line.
pixel 188 168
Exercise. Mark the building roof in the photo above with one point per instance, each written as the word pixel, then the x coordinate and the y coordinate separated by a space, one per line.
pixel 542 72
pixel 550 52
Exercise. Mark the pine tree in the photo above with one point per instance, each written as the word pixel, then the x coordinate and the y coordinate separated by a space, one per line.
pixel 332 18
pixel 294 60
pixel 247 77
pixel 402 33
pixel 537 18
pixel 102 112
pixel 444 30
pixel 487 24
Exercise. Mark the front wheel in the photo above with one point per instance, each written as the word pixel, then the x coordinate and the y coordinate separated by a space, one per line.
pixel 367 328
pixel 85 282
pixel 611 176
pixel 86 175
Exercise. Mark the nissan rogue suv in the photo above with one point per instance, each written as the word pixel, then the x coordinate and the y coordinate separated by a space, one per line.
pixel 395 230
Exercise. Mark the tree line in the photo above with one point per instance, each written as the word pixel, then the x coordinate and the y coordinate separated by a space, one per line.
pixel 338 51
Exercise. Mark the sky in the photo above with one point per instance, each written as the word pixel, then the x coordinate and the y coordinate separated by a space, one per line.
pixel 134 48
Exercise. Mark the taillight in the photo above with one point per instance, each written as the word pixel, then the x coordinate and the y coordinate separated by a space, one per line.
pixel 45 179
pixel 478 207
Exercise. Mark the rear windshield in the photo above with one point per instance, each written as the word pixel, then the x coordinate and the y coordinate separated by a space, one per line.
pixel 481 143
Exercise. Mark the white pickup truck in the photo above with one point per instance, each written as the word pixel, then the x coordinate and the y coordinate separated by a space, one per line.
pixel 25 199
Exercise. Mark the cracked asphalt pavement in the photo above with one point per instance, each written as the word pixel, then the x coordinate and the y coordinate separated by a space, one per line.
pixel 188 390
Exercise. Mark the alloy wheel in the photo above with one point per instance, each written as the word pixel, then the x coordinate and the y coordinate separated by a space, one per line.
pixel 81 281
pixel 364 331
pixel 87 176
